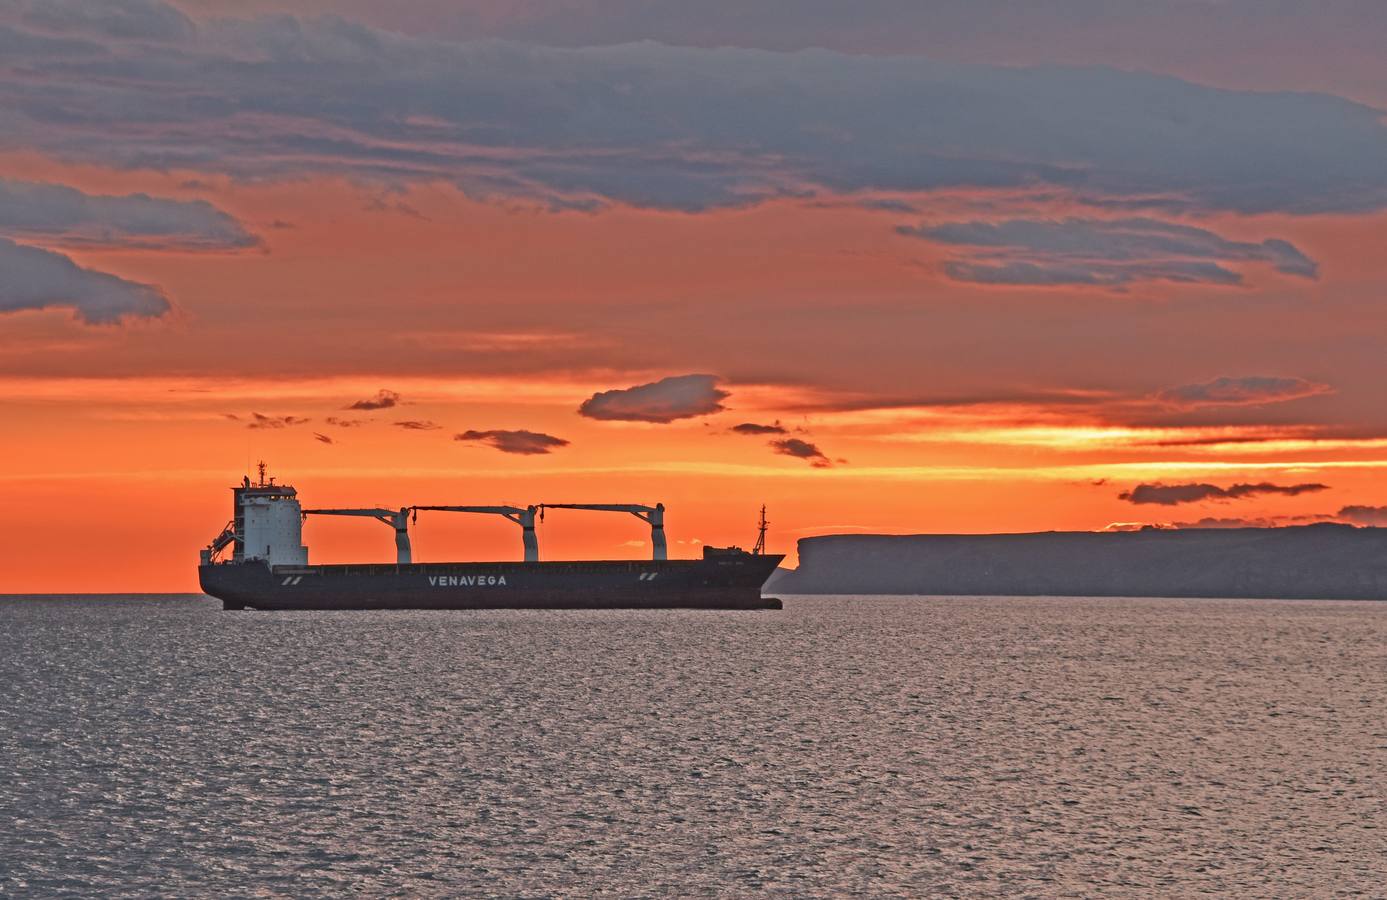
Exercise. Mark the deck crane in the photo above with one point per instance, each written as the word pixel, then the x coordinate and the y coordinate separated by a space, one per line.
pixel 399 520
pixel 654 515
pixel 221 541
pixel 525 518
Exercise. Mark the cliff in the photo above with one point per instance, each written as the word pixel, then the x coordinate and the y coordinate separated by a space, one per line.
pixel 1306 562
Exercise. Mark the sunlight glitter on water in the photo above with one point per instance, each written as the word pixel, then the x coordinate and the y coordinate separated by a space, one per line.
pixel 878 746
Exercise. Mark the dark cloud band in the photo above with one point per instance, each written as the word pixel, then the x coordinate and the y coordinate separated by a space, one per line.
pixel 1174 494
pixel 655 125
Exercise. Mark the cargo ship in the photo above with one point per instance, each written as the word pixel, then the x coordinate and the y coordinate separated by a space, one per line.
pixel 267 566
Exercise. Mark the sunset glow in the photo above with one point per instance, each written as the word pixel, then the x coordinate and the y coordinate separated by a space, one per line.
pixel 404 264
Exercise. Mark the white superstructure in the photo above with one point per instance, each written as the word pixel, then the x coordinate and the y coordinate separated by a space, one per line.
pixel 266 523
pixel 271 525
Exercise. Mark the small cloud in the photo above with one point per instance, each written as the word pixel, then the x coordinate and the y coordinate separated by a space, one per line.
pixel 322 437
pixel 888 205
pixel 802 450
pixel 1364 515
pixel 1251 390
pixel 753 428
pixel 1173 494
pixel 380 204
pixel 382 400
pixel 345 423
pixel 1108 253
pixel 261 421
pixel 281 225
pixel 663 401
pixel 232 416
pixel 519 442
pixel 418 425
pixel 632 544
pixel 1214 523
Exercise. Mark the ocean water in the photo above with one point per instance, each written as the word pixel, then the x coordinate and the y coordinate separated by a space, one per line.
pixel 845 746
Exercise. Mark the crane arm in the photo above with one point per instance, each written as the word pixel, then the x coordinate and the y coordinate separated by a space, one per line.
pixel 525 518
pixel 652 515
pixel 633 508
pixel 373 513
pixel 397 519
pixel 507 511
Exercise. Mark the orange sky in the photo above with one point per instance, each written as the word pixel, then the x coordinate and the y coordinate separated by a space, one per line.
pixel 938 403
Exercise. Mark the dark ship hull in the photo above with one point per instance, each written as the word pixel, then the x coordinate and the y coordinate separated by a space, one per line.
pixel 730 580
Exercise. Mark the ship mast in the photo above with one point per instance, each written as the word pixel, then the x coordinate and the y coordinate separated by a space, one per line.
pixel 760 548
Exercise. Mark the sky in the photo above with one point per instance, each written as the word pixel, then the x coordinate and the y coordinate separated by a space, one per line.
pixel 882 266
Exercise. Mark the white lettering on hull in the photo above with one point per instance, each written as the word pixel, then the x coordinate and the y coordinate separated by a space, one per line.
pixel 445 581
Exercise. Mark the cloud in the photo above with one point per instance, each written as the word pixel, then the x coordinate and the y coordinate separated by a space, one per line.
pixel 38 278
pixel 55 213
pixel 1252 390
pixel 753 428
pixel 382 400
pixel 1029 274
pixel 889 205
pixel 381 204
pixel 34 278
pixel 1102 252
pixel 663 401
pixel 418 425
pixel 345 423
pixel 1173 494
pixel 1212 522
pixel 135 19
pixel 1364 515
pixel 262 421
pixel 802 450
pixel 653 125
pixel 828 401
pixel 520 442
pixel 1046 31
pixel 322 437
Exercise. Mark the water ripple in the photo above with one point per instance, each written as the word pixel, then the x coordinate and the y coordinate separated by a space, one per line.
pixel 843 747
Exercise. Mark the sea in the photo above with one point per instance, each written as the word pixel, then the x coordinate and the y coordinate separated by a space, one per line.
pixel 843 747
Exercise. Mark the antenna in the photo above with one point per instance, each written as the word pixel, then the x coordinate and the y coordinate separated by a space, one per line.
pixel 760 548
pixel 261 468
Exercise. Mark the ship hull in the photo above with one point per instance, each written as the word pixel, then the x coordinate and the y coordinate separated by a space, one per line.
pixel 732 582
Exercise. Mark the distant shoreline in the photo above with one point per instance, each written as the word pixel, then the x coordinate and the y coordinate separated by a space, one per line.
pixel 1307 562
